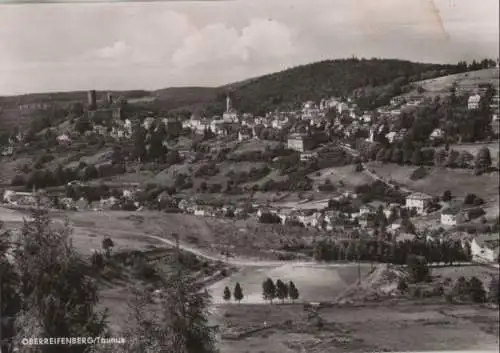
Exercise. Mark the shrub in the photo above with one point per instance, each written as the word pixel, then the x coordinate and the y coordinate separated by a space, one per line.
pixel 418 173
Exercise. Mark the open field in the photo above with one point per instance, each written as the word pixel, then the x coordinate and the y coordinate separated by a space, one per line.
pixel 344 174
pixel 256 145
pixel 459 181
pixel 316 283
pixel 443 84
pixel 377 328
pixel 137 230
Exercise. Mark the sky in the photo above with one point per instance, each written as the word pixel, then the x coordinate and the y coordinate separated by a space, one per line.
pixel 141 45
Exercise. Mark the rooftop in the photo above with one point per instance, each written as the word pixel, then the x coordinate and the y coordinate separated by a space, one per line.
pixel 419 196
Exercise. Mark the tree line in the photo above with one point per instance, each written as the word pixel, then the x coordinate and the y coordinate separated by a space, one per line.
pixel 270 291
pixel 445 252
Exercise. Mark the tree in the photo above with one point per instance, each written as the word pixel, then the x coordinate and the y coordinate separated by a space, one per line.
pixel 464 159
pixel 182 323
pixel 417 268
pixel 440 157
pixel 107 246
pixel 483 160
pixel 10 300
pixel 469 199
pixel 269 290
pixel 402 285
pixel 460 288
pixel 293 291
pixel 238 292
pixel 227 294
pixel 281 290
pixel 446 196
pixel 59 297
pixel 417 157
pixel 493 291
pixel 451 160
pixel 476 290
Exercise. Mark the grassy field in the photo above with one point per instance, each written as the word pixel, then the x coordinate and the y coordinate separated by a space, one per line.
pixel 384 327
pixel 256 145
pixel 341 175
pixel 459 181
pixel 443 84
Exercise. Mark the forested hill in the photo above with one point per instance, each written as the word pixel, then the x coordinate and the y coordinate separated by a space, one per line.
pixel 286 89
pixel 283 89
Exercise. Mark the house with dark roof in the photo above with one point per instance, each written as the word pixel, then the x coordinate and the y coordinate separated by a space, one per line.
pixel 452 216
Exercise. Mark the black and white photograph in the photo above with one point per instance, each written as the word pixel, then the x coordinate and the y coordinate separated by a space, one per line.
pixel 249 176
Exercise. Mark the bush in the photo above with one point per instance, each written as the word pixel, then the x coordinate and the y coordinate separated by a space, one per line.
pixel 418 173
pixel 447 196
pixel 18 180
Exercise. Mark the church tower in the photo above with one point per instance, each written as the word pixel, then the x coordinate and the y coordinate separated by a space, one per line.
pixel 228 104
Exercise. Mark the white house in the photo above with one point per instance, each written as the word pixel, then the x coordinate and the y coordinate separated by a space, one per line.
pixel 244 134
pixel 63 139
pixel 485 248
pixel 418 201
pixel 452 217
pixel 473 102
pixel 436 134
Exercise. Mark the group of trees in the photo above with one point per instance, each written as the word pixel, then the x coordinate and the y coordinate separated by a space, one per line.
pixel 279 290
pixel 446 252
pixel 237 293
pixel 49 290
pixel 42 178
pixel 428 156
pixel 474 290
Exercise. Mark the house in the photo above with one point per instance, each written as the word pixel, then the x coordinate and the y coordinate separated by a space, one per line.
pixel 63 139
pixel 342 107
pixel 244 134
pixel 299 142
pixel 418 201
pixel 484 248
pixel 397 100
pixel 473 102
pixel 452 216
pixel 307 156
pixel 403 237
pixel 436 134
pixel 148 123
pixel 366 209
pixel 366 220
pixel 100 130
pixel 8 151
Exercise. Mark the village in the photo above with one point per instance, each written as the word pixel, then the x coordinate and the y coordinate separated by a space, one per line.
pixel 332 125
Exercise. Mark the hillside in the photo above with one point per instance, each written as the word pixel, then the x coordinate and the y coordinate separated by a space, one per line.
pixel 257 95
pixel 324 79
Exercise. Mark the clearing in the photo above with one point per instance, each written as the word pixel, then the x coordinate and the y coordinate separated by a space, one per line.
pixel 443 84
pixel 377 328
pixel 459 181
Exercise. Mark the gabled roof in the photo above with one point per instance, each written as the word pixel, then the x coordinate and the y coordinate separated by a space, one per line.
pixel 451 211
pixel 490 241
pixel 419 196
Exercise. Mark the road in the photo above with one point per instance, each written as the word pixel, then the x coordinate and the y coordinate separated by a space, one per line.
pixel 241 262
pixel 355 153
